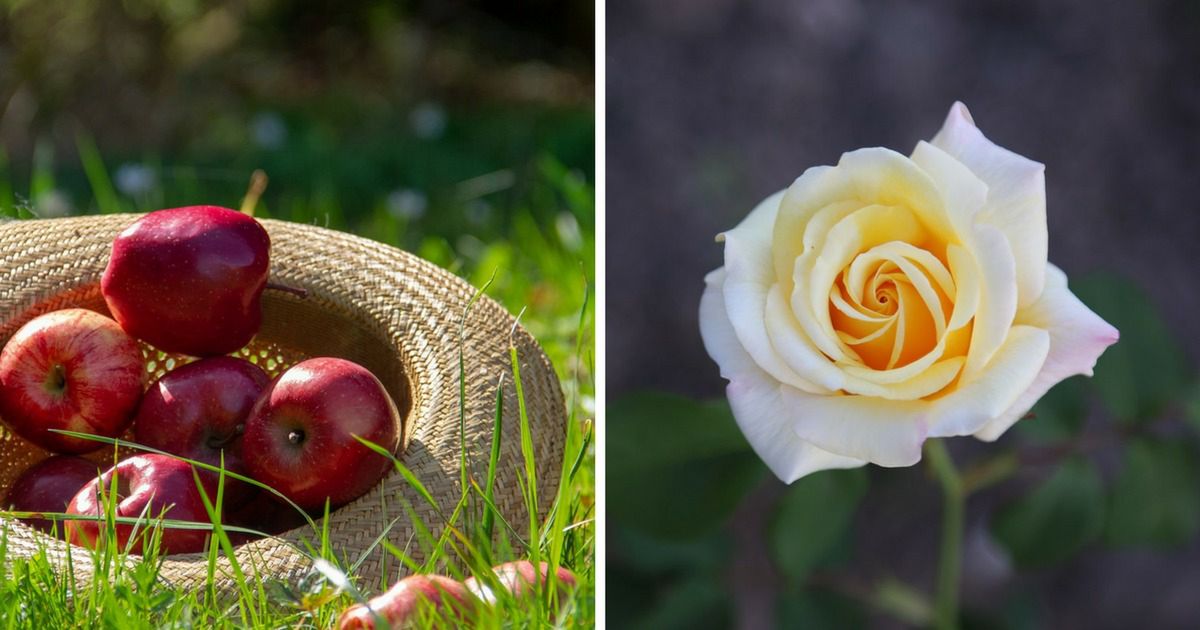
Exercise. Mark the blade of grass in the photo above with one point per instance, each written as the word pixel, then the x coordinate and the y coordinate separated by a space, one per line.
pixel 489 515
pixel 97 174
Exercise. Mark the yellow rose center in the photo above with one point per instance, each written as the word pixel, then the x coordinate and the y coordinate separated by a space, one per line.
pixel 892 304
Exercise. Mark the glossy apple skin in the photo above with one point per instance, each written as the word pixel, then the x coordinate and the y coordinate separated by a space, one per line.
pixel 519 579
pixel 189 280
pixel 73 370
pixel 402 604
pixel 150 482
pixel 299 436
pixel 199 410
pixel 49 486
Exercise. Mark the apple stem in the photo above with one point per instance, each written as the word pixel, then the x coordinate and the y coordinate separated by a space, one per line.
pixel 296 291
pixel 296 436
pixel 60 376
pixel 221 441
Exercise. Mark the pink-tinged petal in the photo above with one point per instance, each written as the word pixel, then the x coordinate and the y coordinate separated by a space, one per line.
pixel 756 398
pixel 1016 200
pixel 1077 339
pixel 1010 373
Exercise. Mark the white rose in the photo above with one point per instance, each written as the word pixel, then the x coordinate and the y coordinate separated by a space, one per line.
pixel 890 299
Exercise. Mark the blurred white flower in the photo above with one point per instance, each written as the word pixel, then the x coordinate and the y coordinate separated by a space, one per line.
pixel 407 204
pixel 469 247
pixel 478 212
pixel 428 120
pixel 52 204
pixel 567 227
pixel 134 179
pixel 268 130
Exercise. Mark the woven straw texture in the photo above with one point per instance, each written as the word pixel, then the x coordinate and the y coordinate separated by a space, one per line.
pixel 388 310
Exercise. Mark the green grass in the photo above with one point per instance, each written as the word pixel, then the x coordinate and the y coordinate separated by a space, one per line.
pixel 510 210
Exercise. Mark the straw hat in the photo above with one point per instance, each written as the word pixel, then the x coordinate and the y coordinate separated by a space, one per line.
pixel 388 310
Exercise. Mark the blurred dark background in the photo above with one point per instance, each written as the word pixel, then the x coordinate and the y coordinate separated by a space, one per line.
pixel 715 104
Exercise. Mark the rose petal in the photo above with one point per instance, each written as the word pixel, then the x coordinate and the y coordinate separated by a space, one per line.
pixel 1016 203
pixel 963 193
pixel 805 359
pixel 756 399
pixel 1077 339
pixel 811 194
pixel 887 178
pixel 997 300
pixel 816 271
pixel 748 278
pixel 883 432
pixel 1014 367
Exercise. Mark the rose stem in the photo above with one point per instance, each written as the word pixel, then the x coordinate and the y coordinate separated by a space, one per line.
pixel 949 561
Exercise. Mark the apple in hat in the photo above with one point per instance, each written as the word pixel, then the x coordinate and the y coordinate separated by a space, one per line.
pixel 49 486
pixel 189 280
pixel 199 410
pixel 302 432
pixel 158 485
pixel 72 370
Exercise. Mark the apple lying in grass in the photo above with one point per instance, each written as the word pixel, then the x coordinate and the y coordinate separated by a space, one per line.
pixel 199 411
pixel 519 578
pixel 302 431
pixel 49 486
pixel 412 599
pixel 73 370
pixel 151 485
pixel 189 280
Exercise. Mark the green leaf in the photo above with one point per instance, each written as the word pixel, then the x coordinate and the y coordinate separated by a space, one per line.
pixel 819 610
pixel 655 556
pixel 1139 375
pixel 814 517
pixel 1191 406
pixel 1154 499
pixel 1059 414
pixel 681 466
pixel 1060 517
pixel 697 602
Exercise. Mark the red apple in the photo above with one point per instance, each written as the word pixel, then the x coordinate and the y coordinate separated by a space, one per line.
pixel 403 604
pixel 159 485
pixel 199 410
pixel 301 432
pixel 49 486
pixel 519 578
pixel 189 280
pixel 266 513
pixel 74 370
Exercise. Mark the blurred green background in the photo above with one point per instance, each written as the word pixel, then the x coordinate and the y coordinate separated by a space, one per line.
pixel 462 130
